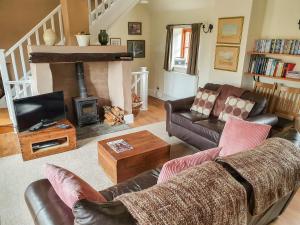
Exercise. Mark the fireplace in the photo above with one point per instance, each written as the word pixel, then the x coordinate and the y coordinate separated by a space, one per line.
pixel 107 77
pixel 86 107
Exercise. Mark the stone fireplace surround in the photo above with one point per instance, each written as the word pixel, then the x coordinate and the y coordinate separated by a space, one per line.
pixel 109 81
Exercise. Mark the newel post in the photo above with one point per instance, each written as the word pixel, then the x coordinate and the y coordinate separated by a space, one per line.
pixel 144 87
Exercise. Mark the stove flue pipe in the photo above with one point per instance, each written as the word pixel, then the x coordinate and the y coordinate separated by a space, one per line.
pixel 80 79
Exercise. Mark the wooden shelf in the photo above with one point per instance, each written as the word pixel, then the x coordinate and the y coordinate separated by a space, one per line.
pixel 274 54
pixel 270 77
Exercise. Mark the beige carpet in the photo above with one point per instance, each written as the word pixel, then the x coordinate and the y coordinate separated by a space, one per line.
pixel 16 175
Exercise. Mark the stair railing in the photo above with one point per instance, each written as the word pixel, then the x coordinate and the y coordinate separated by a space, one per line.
pixel 140 86
pixel 97 8
pixel 14 63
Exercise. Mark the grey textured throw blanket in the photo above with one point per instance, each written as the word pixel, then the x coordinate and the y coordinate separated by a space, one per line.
pixel 201 195
pixel 272 169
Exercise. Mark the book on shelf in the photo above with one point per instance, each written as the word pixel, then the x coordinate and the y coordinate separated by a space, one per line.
pixel 278 46
pixel 119 146
pixel 267 66
pixel 293 74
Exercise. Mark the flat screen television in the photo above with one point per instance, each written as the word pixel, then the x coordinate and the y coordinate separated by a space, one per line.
pixel 32 110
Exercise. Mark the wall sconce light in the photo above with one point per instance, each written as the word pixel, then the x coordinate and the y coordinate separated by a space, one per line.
pixel 299 24
pixel 209 29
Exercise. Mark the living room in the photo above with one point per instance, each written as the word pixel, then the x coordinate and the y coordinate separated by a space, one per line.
pixel 150 112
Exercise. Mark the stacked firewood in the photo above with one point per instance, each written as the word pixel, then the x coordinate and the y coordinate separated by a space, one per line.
pixel 113 115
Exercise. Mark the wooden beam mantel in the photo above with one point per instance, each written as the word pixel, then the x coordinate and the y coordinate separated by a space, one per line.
pixel 46 57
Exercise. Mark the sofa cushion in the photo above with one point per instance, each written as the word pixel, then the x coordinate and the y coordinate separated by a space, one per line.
pixel 204 101
pixel 225 91
pixel 239 135
pixel 175 166
pixel 187 118
pixel 260 102
pixel 236 107
pixel 69 187
pixel 210 128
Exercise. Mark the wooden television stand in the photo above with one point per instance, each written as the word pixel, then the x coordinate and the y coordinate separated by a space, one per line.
pixel 65 141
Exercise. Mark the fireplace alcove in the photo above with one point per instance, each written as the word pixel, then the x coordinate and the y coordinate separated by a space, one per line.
pixel 107 77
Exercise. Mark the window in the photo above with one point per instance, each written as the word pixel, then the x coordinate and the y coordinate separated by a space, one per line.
pixel 181 47
pixel 185 43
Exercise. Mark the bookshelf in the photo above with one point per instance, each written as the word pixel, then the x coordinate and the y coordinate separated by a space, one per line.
pixel 271 77
pixel 272 54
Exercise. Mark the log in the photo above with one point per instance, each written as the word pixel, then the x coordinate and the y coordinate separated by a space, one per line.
pixel 113 115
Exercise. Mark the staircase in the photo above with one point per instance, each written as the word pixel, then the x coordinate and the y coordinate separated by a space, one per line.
pixel 14 63
pixel 102 14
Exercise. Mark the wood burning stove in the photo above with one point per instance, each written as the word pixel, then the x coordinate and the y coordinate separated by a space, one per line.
pixel 86 107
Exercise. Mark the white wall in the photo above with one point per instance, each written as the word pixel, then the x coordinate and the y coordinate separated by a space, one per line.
pixel 230 8
pixel 140 13
pixel 171 84
pixel 255 30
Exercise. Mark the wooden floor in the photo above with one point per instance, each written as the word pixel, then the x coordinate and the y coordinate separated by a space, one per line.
pixel 291 216
pixel 5 123
pixel 9 144
pixel 155 113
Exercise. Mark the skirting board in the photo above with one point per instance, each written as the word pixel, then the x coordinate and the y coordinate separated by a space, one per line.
pixel 160 95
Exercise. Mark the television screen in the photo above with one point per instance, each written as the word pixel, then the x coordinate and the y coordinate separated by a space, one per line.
pixel 32 110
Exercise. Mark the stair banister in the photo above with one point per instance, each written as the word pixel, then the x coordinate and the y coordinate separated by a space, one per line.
pixel 21 85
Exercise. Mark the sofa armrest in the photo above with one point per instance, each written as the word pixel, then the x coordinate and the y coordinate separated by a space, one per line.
pixel 45 206
pixel 175 106
pixel 178 105
pixel 267 118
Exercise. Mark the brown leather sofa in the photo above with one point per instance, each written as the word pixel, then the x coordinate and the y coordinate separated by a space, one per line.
pixel 46 207
pixel 204 132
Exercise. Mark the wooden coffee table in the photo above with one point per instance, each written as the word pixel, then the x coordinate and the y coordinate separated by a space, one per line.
pixel 148 152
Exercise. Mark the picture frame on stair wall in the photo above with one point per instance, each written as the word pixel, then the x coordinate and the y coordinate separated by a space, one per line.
pixel 137 48
pixel 134 28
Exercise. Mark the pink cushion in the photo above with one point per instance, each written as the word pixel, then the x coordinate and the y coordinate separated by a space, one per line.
pixel 175 166
pixel 69 187
pixel 239 135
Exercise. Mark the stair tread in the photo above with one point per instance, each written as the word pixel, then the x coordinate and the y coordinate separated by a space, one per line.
pixel 4 118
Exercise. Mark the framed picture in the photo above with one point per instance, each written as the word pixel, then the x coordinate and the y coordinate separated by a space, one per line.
pixel 134 28
pixel 115 41
pixel 230 30
pixel 227 58
pixel 137 48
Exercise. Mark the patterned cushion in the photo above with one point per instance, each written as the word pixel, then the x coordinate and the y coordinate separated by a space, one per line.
pixel 204 101
pixel 239 135
pixel 175 166
pixel 236 107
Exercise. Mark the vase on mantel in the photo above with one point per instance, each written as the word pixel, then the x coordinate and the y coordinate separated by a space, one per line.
pixel 103 37
pixel 49 37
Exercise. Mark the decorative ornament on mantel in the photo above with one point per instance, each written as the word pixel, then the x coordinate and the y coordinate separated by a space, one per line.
pixel 103 37
pixel 83 39
pixel 49 37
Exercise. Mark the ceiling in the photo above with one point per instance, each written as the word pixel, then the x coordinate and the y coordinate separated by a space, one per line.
pixel 178 5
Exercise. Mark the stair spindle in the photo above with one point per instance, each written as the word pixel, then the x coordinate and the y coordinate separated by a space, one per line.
pixel 52 23
pixel 61 30
pixel 37 37
pixel 23 61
